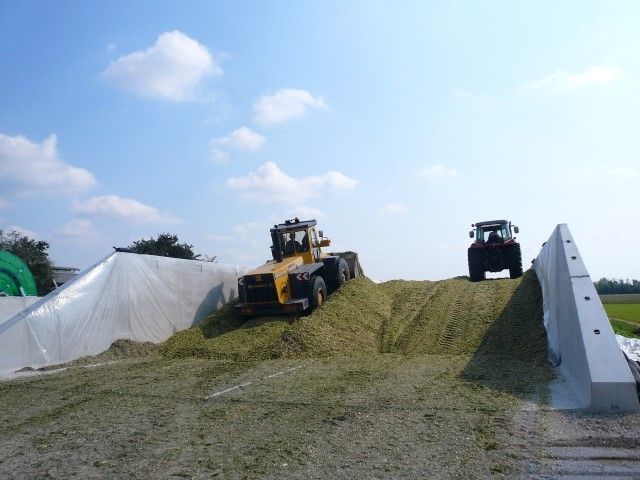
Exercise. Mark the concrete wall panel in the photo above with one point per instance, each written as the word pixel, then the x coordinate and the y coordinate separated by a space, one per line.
pixel 581 340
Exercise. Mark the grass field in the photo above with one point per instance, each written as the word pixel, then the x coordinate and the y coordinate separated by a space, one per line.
pixel 626 298
pixel 626 329
pixel 624 318
pixel 624 311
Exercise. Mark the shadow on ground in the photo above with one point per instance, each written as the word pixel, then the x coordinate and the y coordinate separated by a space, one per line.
pixel 512 356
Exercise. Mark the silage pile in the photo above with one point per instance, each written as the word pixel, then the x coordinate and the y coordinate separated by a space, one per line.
pixel 449 317
pixel 348 322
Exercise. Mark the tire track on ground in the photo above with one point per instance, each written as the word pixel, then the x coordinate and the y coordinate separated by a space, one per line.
pixel 402 323
pixel 454 326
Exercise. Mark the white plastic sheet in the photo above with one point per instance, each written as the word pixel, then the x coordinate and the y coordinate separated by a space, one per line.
pixel 630 346
pixel 9 306
pixel 137 297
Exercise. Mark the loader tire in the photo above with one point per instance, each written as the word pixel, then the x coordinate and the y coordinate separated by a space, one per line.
pixel 515 262
pixel 317 293
pixel 476 268
pixel 338 276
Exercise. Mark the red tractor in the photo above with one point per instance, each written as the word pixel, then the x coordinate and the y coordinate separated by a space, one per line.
pixel 494 249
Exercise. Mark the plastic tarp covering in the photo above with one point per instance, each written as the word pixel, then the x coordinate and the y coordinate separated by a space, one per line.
pixel 9 306
pixel 124 296
pixel 630 346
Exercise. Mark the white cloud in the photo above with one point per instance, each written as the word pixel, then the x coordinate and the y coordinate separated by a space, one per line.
pixel 622 173
pixel 564 81
pixel 284 105
pixel 4 203
pixel 128 208
pixel 171 69
pixel 270 184
pixel 393 209
pixel 76 228
pixel 339 180
pixel 242 139
pixel 437 171
pixel 28 167
pixel 23 231
pixel 306 213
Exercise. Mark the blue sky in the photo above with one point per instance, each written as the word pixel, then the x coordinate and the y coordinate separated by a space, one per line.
pixel 396 124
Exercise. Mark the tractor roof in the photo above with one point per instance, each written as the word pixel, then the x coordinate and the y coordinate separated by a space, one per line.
pixel 491 222
pixel 292 225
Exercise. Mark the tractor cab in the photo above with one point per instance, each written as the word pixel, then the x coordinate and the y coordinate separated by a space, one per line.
pixel 295 238
pixel 493 231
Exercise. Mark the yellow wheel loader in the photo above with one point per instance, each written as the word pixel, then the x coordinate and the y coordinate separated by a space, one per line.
pixel 299 277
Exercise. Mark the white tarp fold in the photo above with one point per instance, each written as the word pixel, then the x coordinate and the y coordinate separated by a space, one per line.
pixel 630 346
pixel 137 297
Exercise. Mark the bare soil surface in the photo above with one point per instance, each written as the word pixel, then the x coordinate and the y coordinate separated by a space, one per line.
pixel 399 380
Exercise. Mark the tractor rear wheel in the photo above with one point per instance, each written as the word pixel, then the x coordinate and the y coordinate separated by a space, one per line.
pixel 317 293
pixel 515 262
pixel 338 276
pixel 476 267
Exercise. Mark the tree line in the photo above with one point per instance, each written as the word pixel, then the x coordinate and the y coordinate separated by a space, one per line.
pixel 35 253
pixel 606 286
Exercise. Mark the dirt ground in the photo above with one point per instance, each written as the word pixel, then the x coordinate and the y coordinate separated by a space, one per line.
pixel 435 380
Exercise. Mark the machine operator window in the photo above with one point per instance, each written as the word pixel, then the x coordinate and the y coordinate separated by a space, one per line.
pixel 494 235
pixel 505 231
pixel 302 241
pixel 295 242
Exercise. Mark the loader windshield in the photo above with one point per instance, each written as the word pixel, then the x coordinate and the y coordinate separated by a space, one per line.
pixel 294 242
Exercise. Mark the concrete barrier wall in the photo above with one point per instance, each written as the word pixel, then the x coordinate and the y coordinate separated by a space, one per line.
pixel 581 341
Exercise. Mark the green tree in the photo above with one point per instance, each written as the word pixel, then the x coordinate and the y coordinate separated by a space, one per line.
pixel 606 286
pixel 165 245
pixel 34 254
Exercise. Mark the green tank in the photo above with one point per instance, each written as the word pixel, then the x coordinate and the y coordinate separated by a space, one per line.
pixel 15 277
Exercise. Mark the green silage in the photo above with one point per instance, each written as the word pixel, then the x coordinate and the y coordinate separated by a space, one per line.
pixel 451 317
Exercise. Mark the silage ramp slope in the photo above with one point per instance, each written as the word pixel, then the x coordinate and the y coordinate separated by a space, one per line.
pixel 496 324
pixel 448 317
pixel 349 322
pixel 512 354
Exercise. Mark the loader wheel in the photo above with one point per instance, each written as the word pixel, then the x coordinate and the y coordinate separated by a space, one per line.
pixel 340 275
pixel 476 268
pixel 515 262
pixel 317 293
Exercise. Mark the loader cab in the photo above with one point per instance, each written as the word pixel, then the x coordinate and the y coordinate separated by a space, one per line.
pixel 296 238
pixel 495 231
